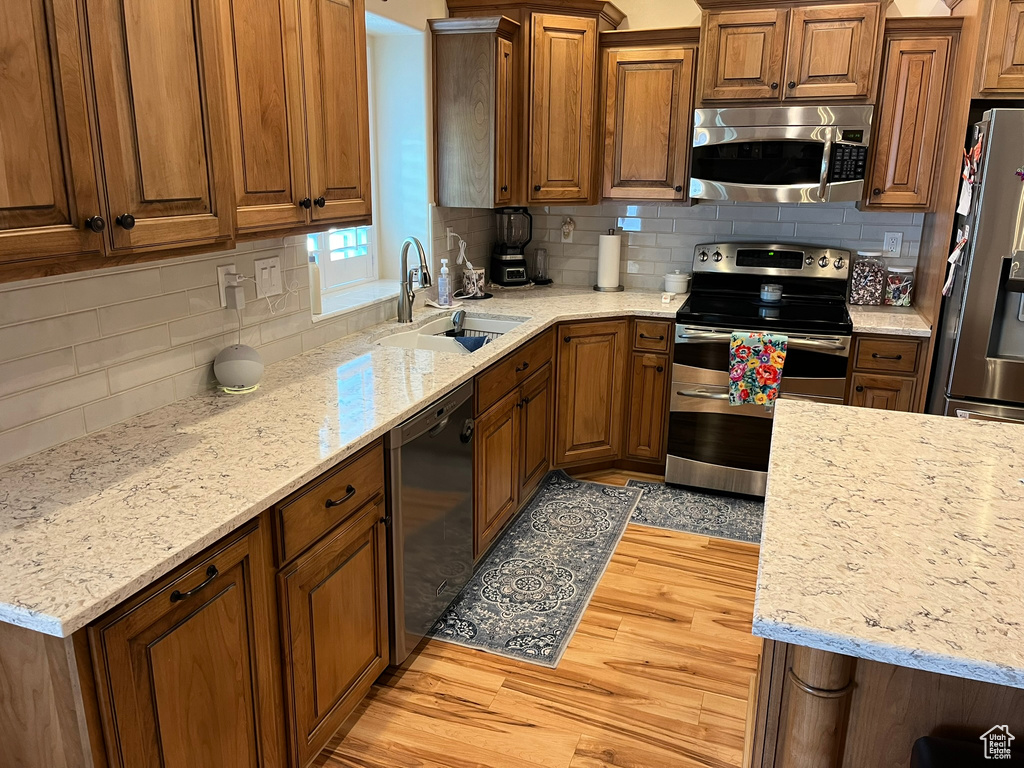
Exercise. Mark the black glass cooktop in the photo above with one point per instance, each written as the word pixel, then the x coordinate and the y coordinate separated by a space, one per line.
pixel 745 312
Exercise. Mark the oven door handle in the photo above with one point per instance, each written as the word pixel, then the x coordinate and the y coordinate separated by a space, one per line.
pixel 796 342
pixel 706 395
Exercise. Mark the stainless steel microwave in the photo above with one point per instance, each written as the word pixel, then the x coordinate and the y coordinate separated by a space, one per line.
pixel 780 154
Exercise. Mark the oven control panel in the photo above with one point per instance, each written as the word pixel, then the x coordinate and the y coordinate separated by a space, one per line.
pixel 772 259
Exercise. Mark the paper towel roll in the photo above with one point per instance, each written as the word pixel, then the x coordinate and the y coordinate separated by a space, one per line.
pixel 609 251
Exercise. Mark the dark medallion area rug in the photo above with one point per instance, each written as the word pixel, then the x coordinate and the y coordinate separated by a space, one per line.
pixel 529 594
pixel 706 514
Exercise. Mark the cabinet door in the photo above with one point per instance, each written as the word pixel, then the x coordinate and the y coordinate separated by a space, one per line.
pixel 496 470
pixel 337 107
pixel 832 51
pixel 1003 65
pixel 588 408
pixel 563 66
pixel 887 393
pixel 504 110
pixel 261 43
pixel 648 407
pixel 535 432
pixel 648 116
pixel 741 54
pixel 188 675
pixel 160 104
pixel 912 101
pixel 47 180
pixel 335 629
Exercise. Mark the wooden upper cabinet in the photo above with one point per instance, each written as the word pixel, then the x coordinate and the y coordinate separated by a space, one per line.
pixel 160 106
pixel 648 114
pixel 916 72
pixel 504 127
pixel 47 178
pixel 564 66
pixel 741 54
pixel 833 50
pixel 1002 65
pixel 263 71
pixel 337 107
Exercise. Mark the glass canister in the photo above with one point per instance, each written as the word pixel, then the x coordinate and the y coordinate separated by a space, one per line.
pixel 899 284
pixel 867 278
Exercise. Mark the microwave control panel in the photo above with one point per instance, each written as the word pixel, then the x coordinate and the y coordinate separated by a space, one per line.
pixel 848 162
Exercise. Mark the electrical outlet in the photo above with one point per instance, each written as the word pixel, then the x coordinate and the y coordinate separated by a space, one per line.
pixel 223 270
pixel 268 277
pixel 633 267
pixel 566 238
pixel 893 244
pixel 450 234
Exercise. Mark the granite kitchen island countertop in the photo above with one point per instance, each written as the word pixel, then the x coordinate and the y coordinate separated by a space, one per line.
pixel 85 525
pixel 896 537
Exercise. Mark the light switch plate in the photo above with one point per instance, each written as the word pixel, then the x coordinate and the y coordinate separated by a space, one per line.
pixel 269 281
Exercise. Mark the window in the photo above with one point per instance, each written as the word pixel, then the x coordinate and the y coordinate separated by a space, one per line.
pixel 345 256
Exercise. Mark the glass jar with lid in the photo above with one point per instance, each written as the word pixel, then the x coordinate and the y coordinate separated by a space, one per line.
pixel 899 284
pixel 867 278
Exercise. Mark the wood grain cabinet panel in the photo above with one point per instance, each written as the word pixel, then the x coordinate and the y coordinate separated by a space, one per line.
pixel 563 65
pixel 496 461
pixel 648 103
pixel 742 54
pixel 333 34
pixel 648 406
pixel 47 177
pixel 268 135
pixel 833 50
pixel 188 673
pixel 592 359
pixel 915 80
pixel 160 107
pixel 888 393
pixel 335 629
pixel 1003 51
pixel 535 432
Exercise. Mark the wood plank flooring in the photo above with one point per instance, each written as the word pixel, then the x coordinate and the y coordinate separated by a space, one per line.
pixel 661 672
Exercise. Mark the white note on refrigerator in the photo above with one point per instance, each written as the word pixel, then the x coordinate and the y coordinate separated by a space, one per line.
pixel 963 207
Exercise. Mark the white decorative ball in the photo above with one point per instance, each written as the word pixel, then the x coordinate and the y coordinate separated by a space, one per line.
pixel 238 368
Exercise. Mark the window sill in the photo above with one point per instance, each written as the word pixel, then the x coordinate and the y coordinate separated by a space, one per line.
pixel 358 297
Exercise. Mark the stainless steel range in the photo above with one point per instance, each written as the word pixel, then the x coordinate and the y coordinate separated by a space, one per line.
pixel 722 447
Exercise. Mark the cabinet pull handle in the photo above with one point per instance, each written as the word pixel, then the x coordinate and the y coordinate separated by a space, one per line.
pixel 775 86
pixel 654 338
pixel 536 187
pixel 660 369
pixel 523 367
pixel 95 223
pixel 886 357
pixel 125 221
pixel 350 491
pixel 211 574
pixel 519 405
pixel 306 203
pixel 859 388
pixel 526 401
pixel 504 187
pixel 320 202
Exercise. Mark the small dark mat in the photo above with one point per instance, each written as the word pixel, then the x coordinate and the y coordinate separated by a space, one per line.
pixel 678 509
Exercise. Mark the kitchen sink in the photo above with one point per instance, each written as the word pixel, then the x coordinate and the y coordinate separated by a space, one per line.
pixel 432 335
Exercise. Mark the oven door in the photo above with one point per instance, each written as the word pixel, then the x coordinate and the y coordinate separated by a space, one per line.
pixel 722 447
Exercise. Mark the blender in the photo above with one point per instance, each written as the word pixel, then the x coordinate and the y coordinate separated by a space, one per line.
pixel 508 264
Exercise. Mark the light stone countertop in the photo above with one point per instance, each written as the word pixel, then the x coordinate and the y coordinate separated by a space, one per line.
pixel 888 321
pixel 85 525
pixel 896 537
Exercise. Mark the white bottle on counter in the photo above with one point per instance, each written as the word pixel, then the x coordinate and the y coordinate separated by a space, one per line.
pixel 315 299
pixel 444 286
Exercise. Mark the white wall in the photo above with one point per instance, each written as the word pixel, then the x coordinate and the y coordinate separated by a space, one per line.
pixel 647 14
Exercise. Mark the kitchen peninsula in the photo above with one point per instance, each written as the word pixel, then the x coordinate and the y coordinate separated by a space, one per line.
pixel 890 583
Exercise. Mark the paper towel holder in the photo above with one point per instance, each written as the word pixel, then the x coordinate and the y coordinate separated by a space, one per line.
pixel 616 288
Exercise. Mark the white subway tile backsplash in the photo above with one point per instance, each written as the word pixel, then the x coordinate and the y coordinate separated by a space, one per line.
pixel 107 289
pixel 28 372
pixel 52 399
pixel 42 335
pixel 198 327
pixel 148 369
pixel 23 304
pixel 40 435
pixel 127 404
pixel 204 351
pixel 118 318
pixel 116 349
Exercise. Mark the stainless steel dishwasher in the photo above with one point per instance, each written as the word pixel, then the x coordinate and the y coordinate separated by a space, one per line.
pixel 430 540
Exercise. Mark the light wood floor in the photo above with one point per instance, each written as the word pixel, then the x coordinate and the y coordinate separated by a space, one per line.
pixel 661 672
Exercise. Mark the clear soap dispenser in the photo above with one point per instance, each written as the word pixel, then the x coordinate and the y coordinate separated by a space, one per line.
pixel 444 286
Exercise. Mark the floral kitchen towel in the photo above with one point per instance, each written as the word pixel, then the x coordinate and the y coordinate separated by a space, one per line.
pixel 755 367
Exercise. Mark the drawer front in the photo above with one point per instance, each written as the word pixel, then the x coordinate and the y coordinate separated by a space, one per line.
pixel 890 355
pixel 318 508
pixel 652 336
pixel 502 377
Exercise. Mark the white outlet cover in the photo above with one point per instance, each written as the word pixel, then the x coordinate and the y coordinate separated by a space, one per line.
pixel 269 279
pixel 633 267
pixel 222 270
pixel 893 243
pixel 564 238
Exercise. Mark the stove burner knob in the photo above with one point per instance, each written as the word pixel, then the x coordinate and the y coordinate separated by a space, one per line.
pixel 718 256
pixel 823 262
pixel 839 263
pixel 703 255
pixel 809 260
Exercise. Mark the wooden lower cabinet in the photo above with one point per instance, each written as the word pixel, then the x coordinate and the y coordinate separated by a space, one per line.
pixel 187 673
pixel 887 393
pixel 885 372
pixel 534 432
pixel 334 623
pixel 592 359
pixel 648 406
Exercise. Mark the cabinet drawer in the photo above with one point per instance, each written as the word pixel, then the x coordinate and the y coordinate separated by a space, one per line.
pixel 502 377
pixel 316 509
pixel 891 355
pixel 652 336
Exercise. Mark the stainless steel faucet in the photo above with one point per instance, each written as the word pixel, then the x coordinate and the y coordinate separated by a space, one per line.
pixel 422 277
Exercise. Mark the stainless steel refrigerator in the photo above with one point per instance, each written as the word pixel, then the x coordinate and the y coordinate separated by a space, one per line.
pixel 980 363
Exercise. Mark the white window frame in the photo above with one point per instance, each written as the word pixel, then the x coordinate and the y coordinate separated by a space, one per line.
pixel 341 274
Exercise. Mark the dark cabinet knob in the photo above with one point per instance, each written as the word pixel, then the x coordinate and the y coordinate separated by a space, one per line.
pixel 504 187
pixel 679 187
pixel 95 223
pixel 320 202
pixel 876 191
pixel 792 85
pixel 536 187
pixel 660 369
pixel 859 388
pixel 775 86
pixel 305 203
pixel 125 221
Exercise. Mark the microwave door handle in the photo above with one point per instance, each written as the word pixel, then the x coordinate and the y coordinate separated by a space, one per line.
pixel 826 161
